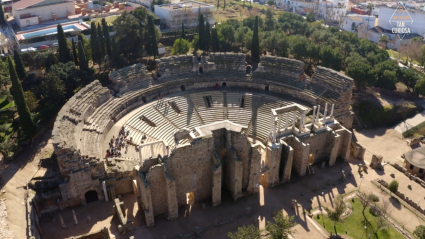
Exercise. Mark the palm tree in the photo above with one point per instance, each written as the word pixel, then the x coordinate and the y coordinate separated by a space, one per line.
pixel 384 40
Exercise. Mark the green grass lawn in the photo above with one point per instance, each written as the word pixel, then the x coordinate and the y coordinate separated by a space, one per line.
pixel 4 104
pixel 415 131
pixel 395 55
pixel 354 225
pixel 109 20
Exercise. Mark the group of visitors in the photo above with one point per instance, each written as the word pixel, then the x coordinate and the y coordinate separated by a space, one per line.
pixel 118 143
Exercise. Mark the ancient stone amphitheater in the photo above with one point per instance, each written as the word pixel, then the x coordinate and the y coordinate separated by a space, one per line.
pixel 212 125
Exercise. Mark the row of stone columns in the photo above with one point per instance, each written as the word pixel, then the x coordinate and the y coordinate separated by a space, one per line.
pixel 315 118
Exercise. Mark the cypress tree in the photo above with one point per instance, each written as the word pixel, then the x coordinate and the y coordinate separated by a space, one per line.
pixel 107 37
pixel 64 50
pixel 94 43
pixel 153 44
pixel 101 40
pixel 183 32
pixel 201 32
pixel 74 52
pixel 2 20
pixel 255 48
pixel 84 65
pixel 19 66
pixel 25 118
pixel 215 41
pixel 207 36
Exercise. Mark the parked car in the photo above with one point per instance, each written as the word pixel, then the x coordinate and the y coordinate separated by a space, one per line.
pixel 28 49
pixel 44 47
pixel 55 44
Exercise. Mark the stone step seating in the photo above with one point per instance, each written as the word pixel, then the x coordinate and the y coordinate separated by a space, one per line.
pixel 330 96
pixel 314 89
pixel 187 117
pixel 95 97
pixel 147 152
pixel 337 80
pixel 289 81
pixel 90 144
pixel 139 85
pixel 289 116
pixel 261 127
pixel 209 115
pixel 235 113
pixel 163 129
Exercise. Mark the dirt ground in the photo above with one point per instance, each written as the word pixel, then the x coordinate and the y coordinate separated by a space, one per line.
pixel 14 177
pixel 233 213
pixel 382 141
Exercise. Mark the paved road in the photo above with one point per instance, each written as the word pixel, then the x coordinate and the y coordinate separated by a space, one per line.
pixel 411 122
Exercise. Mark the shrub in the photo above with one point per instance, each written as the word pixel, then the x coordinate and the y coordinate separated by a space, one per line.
pixel 393 186
pixel 374 198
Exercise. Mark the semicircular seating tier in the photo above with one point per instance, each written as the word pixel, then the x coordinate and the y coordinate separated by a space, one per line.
pixel 186 92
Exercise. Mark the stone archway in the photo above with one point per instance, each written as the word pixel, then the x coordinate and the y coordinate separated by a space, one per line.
pixel 91 196
pixel 267 88
pixel 248 70
pixel 201 70
pixel 183 87
pixel 224 85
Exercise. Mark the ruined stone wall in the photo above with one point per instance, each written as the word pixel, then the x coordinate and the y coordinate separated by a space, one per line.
pixel 301 153
pixel 344 144
pixel 233 173
pixel 320 144
pixel 282 66
pixel 145 198
pixel 287 156
pixel 128 76
pixel 158 186
pixel 191 167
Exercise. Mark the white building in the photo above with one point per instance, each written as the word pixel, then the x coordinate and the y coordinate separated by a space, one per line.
pixel 299 5
pixel 374 33
pixel 33 12
pixel 418 17
pixel 173 15
pixel 351 22
pixel 332 10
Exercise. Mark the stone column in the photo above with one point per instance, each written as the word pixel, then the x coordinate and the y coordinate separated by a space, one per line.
pixel 332 111
pixel 216 188
pixel 151 150
pixel 324 114
pixel 104 190
pixel 75 217
pixel 171 197
pixel 318 113
pixel 62 222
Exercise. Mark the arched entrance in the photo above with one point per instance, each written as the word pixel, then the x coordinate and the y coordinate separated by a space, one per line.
pixel 183 87
pixel 91 196
pixel 248 70
pixel 224 85
pixel 267 88
pixel 144 99
pixel 201 70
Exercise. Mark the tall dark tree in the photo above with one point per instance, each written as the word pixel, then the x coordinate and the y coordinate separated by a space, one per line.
pixel 201 32
pixel 255 48
pixel 152 47
pixel 74 52
pixel 127 42
pixel 207 36
pixel 84 65
pixel 94 43
pixel 25 118
pixel 19 65
pixel 107 37
pixel 101 40
pixel 2 20
pixel 183 36
pixel 215 41
pixel 50 60
pixel 65 54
